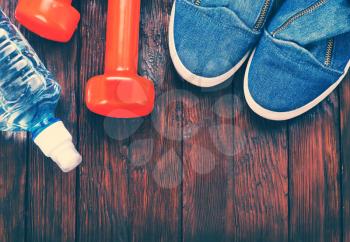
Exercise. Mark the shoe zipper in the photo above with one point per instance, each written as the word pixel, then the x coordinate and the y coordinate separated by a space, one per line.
pixel 197 2
pixel 298 15
pixel 329 52
pixel 263 15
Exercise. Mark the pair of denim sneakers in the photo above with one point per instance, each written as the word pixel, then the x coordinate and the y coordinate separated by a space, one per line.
pixel 296 59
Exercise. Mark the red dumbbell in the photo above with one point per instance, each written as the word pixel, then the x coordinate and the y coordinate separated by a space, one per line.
pixel 51 19
pixel 121 92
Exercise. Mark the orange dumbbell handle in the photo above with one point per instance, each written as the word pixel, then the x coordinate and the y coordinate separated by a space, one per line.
pixel 123 22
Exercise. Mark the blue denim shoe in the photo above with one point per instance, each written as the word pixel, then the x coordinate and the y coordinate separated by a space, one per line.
pixel 302 57
pixel 209 40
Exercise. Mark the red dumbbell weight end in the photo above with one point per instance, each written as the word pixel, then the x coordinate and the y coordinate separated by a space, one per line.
pixel 51 19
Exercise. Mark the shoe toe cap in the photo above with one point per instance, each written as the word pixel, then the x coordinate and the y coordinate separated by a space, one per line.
pixel 282 76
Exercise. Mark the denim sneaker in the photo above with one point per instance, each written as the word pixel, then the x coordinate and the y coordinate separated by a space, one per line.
pixel 209 40
pixel 302 57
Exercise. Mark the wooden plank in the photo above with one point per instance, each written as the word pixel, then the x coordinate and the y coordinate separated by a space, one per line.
pixel 12 186
pixel 208 166
pixel 345 154
pixel 155 149
pixel 52 193
pixel 314 174
pixel 260 174
pixel 103 194
pixel 13 158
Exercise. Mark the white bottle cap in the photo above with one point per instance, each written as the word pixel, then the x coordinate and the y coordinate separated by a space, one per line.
pixel 56 142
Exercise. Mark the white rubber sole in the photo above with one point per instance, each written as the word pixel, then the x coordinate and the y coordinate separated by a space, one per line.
pixel 280 116
pixel 188 75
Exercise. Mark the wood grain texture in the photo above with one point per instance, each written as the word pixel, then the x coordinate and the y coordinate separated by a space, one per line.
pixel 103 182
pixel 13 155
pixel 208 165
pixel 202 167
pixel 155 149
pixel 345 155
pixel 51 193
pixel 314 174
pixel 13 170
pixel 260 174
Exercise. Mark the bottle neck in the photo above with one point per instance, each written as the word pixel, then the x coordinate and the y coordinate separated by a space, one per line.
pixel 42 125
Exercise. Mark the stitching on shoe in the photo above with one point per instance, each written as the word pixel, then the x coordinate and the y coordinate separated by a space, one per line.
pixel 298 15
pixel 296 45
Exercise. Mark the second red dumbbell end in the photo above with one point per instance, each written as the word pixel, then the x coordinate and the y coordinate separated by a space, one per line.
pixel 55 20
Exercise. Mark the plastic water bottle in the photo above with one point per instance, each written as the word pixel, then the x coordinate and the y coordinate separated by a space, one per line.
pixel 28 98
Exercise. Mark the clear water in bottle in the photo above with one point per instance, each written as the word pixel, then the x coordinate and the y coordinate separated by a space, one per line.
pixel 29 95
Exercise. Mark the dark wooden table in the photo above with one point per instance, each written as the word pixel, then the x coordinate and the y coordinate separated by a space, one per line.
pixel 203 167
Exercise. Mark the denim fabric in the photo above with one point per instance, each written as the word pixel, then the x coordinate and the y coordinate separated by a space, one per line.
pixel 329 19
pixel 248 10
pixel 289 68
pixel 210 39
